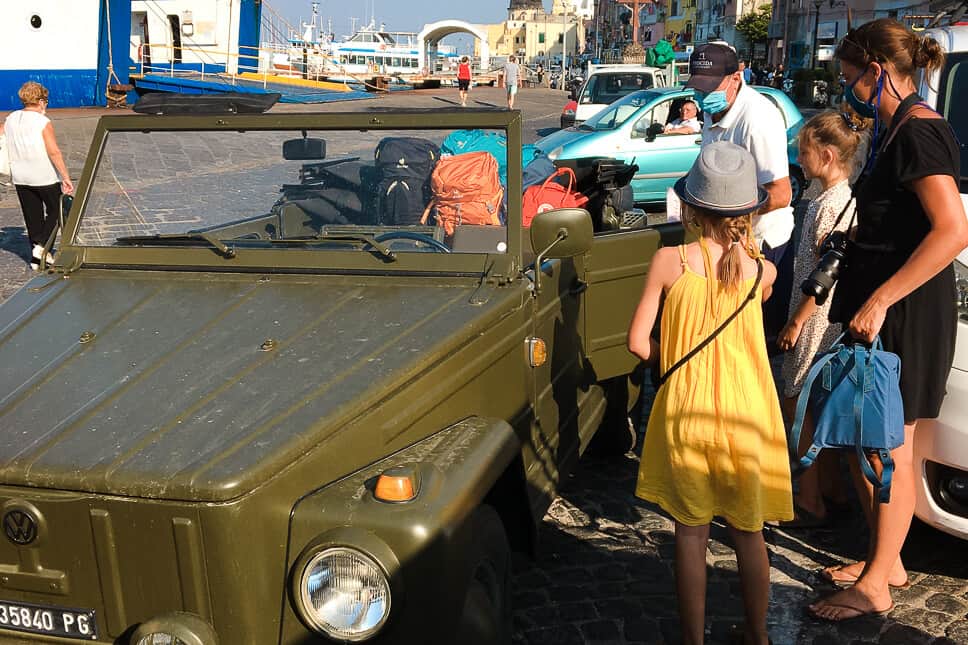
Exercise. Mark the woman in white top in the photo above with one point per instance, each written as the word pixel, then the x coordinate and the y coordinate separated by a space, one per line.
pixel 37 166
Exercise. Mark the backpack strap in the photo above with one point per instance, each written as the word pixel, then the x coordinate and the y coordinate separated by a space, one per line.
pixel 802 463
pixel 863 376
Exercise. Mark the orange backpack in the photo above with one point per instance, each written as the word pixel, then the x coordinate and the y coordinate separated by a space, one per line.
pixel 466 190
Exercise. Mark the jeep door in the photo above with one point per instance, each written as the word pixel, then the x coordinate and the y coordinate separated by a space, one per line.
pixel 615 271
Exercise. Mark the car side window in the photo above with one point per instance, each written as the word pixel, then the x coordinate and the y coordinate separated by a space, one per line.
pixel 659 114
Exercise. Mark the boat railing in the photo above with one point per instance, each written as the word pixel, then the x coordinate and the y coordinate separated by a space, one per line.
pixel 255 63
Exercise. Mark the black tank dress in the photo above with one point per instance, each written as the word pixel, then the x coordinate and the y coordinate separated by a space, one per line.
pixel 921 327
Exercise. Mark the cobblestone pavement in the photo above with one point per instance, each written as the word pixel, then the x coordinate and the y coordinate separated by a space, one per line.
pixel 603 573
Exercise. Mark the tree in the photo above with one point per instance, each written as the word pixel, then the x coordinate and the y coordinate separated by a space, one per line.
pixel 754 26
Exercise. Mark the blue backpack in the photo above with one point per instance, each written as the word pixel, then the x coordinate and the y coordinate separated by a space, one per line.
pixel 461 141
pixel 855 395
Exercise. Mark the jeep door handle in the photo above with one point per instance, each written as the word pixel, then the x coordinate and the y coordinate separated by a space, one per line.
pixel 698 142
pixel 577 287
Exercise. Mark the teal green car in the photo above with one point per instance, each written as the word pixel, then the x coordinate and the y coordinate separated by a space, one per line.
pixel 630 130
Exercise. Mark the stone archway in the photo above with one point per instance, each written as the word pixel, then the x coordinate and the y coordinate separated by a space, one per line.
pixel 433 33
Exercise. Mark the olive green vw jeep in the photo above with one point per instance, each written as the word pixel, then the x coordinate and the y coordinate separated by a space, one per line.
pixel 243 409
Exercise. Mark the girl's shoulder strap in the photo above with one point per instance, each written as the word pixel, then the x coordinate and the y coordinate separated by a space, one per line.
pixel 682 256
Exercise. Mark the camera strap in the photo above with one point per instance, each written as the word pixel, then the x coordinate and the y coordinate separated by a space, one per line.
pixel 698 348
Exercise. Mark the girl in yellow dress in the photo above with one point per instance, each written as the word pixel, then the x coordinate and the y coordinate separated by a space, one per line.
pixel 715 443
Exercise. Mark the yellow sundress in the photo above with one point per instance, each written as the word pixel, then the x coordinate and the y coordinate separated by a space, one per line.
pixel 715 443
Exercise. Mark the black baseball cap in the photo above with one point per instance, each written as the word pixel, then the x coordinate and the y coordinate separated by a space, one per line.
pixel 709 64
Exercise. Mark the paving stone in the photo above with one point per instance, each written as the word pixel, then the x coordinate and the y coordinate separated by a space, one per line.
pixel 578 611
pixel 904 635
pixel 929 622
pixel 946 604
pixel 958 631
pixel 597 631
pixel 641 629
pixel 556 635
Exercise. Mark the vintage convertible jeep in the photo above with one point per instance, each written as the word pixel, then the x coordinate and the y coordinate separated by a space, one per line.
pixel 243 409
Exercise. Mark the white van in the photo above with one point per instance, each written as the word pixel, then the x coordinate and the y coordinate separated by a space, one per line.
pixel 606 84
pixel 941 445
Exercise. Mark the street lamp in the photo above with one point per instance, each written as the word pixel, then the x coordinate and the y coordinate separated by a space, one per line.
pixel 816 32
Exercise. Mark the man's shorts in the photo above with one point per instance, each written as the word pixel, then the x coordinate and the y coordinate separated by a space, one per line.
pixel 463 84
pixel 512 89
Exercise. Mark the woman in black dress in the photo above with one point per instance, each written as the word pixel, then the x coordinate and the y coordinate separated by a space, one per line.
pixel 900 281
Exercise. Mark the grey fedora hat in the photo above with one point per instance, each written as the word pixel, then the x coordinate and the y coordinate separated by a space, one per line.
pixel 723 181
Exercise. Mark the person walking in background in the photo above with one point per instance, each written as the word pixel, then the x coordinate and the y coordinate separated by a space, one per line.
pixel 736 112
pixel 463 79
pixel 715 444
pixel 539 71
pixel 746 72
pixel 828 143
pixel 778 77
pixel 900 279
pixel 512 77
pixel 37 167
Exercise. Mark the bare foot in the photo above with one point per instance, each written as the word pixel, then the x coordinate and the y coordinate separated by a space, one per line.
pixel 848 573
pixel 852 603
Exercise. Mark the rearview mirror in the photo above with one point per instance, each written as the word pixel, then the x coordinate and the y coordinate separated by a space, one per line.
pixel 562 233
pixel 304 149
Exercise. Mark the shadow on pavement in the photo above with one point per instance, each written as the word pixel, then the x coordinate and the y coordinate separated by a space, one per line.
pixel 13 239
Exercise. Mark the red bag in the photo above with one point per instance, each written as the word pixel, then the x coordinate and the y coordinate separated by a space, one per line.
pixel 549 196
pixel 467 190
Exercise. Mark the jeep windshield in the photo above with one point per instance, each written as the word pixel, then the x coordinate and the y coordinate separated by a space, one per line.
pixel 619 112
pixel 383 193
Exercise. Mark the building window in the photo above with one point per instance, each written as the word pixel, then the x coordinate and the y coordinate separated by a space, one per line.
pixel 541 38
pixel 561 38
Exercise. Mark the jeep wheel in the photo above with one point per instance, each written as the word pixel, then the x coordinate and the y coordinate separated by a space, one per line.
pixel 616 434
pixel 486 619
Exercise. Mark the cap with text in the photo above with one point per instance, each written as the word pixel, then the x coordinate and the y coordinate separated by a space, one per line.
pixel 709 65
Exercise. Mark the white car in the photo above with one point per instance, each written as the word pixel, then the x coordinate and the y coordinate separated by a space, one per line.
pixel 605 85
pixel 941 445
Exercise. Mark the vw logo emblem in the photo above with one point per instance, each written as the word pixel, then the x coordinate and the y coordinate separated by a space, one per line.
pixel 20 527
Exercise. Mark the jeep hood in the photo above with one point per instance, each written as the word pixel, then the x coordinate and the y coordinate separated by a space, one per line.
pixel 176 386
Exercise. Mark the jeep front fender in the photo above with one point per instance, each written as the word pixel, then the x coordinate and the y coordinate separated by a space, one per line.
pixel 418 543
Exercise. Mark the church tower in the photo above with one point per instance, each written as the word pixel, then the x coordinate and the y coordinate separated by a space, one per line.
pixel 526 5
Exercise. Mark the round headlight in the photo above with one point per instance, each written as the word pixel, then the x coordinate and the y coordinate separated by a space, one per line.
pixel 344 594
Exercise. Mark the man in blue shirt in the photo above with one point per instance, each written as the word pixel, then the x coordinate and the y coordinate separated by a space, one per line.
pixel 747 72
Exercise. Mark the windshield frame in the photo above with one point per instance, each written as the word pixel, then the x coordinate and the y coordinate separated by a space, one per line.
pixel 294 260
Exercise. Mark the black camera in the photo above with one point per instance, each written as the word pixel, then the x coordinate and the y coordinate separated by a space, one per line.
pixel 833 257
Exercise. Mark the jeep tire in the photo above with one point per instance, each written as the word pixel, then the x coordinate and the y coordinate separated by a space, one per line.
pixel 486 617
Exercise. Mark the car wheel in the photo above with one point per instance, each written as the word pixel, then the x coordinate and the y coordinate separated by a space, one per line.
pixel 486 618
pixel 798 184
pixel 616 435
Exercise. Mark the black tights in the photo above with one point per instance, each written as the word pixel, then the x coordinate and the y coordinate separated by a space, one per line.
pixel 34 201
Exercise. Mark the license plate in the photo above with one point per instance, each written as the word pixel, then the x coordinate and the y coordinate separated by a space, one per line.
pixel 48 620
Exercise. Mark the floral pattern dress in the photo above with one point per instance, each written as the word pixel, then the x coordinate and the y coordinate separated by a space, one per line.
pixel 817 333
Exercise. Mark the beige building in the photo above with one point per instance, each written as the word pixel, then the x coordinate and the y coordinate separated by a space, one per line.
pixel 535 35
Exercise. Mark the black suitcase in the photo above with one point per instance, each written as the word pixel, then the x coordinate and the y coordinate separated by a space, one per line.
pixel 410 157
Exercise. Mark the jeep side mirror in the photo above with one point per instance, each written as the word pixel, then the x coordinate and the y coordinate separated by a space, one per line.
pixel 304 149
pixel 559 233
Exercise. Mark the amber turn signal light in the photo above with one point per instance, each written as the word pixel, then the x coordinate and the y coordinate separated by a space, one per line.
pixel 398 484
pixel 537 352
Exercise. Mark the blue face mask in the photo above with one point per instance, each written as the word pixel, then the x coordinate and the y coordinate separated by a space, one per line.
pixel 713 102
pixel 866 109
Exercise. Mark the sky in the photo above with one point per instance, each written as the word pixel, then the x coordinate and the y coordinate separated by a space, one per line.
pixel 399 15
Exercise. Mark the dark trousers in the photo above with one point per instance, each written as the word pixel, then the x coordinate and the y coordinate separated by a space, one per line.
pixel 776 310
pixel 41 207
